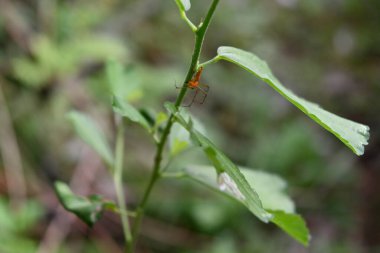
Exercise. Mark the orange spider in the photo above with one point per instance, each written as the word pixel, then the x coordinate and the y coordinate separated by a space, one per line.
pixel 194 84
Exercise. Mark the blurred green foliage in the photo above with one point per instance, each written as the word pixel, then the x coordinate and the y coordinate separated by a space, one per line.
pixel 15 223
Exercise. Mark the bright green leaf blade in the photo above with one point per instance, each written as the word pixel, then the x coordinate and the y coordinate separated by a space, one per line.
pixel 292 224
pixel 88 209
pixel 127 110
pixel 91 134
pixel 270 189
pixel 222 164
pixel 183 5
pixel 353 134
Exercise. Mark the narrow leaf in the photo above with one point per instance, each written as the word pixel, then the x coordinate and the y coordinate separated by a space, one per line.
pixel 183 5
pixel 127 110
pixel 91 134
pixel 224 165
pixel 88 209
pixel 353 134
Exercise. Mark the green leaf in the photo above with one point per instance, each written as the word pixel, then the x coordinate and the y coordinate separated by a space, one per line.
pixel 160 119
pixel 88 209
pixel 183 5
pixel 353 134
pixel 127 110
pixel 293 224
pixel 243 191
pixel 123 85
pixel 270 189
pixel 91 134
pixel 179 139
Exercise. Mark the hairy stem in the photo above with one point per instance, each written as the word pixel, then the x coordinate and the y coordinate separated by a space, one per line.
pixel 199 37
pixel 118 181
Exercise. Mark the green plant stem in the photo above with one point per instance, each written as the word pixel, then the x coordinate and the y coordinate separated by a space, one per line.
pixel 213 60
pixel 118 181
pixel 182 12
pixel 188 21
pixel 199 37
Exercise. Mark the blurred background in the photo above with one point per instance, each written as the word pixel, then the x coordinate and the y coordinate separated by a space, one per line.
pixel 52 58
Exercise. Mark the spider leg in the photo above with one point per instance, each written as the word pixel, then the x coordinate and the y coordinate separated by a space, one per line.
pixel 205 87
pixel 204 91
pixel 193 99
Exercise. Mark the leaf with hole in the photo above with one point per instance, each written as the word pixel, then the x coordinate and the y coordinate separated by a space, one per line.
pixel 353 134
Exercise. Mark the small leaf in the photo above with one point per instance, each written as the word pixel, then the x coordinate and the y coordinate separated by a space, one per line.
pixel 90 133
pixel 183 5
pixel 115 76
pixel 127 110
pixel 88 209
pixel 353 134
pixel 223 164
pixel 179 139
pixel 160 119
pixel 123 84
pixel 293 224
pixel 270 189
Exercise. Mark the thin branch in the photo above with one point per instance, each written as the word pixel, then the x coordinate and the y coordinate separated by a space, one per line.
pixel 213 60
pixel 118 181
pixel 188 21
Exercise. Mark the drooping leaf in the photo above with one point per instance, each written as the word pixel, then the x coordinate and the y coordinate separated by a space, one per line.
pixel 270 189
pixel 91 134
pixel 293 224
pixel 224 165
pixel 127 110
pixel 353 134
pixel 88 209
pixel 183 5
